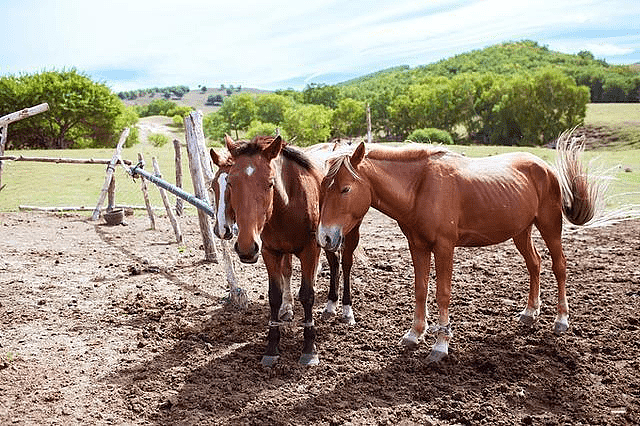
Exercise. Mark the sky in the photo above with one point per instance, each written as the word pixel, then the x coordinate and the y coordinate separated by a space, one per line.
pixel 280 44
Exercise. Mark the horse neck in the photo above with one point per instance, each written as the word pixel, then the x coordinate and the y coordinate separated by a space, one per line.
pixel 290 182
pixel 389 194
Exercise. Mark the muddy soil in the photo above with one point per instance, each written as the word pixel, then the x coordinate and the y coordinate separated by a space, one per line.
pixel 120 325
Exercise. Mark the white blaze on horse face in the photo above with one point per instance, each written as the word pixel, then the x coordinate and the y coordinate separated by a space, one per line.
pixel 220 216
pixel 249 170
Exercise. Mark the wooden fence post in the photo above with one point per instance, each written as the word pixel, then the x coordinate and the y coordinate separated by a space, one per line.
pixel 110 169
pixel 5 120
pixel 191 124
pixel 369 136
pixel 178 155
pixel 145 195
pixel 167 206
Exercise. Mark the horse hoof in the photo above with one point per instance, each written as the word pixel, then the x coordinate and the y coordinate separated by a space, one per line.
pixel 269 360
pixel 286 316
pixel 559 328
pixel 409 343
pixel 309 359
pixel 326 315
pixel 436 356
pixel 348 320
pixel 526 319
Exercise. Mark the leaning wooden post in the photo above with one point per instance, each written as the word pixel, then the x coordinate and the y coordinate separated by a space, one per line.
pixel 5 120
pixel 110 169
pixel 111 194
pixel 237 296
pixel 178 155
pixel 190 124
pixel 369 137
pixel 145 195
pixel 165 201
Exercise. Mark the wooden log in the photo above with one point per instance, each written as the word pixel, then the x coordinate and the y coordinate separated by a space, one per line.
pixel 27 112
pixel 190 124
pixel 165 201
pixel 145 195
pixel 10 118
pixel 110 170
pixel 60 160
pixel 178 156
pixel 81 208
pixel 369 136
pixel 237 296
pixel 3 140
pixel 111 194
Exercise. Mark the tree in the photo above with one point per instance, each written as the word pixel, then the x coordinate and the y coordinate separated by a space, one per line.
pixel 349 119
pixel 308 124
pixel 271 107
pixel 238 111
pixel 78 109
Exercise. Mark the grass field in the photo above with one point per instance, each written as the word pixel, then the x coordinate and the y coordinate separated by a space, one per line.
pixel 56 185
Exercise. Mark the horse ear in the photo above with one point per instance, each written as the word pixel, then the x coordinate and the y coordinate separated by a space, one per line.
pixel 229 142
pixel 215 157
pixel 357 155
pixel 273 149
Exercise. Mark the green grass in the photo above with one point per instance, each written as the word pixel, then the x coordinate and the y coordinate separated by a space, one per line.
pixel 622 119
pixel 56 185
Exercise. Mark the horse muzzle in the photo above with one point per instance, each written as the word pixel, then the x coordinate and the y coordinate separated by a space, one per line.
pixel 329 238
pixel 248 256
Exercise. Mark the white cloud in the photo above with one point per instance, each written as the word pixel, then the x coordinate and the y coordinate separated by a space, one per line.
pixel 257 43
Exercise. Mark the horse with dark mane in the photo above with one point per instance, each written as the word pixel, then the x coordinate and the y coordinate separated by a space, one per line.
pixel 271 192
pixel 442 200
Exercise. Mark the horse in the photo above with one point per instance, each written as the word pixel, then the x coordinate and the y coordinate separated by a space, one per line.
pixel 442 200
pixel 271 192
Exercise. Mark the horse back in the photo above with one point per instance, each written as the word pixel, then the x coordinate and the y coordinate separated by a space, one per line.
pixel 484 201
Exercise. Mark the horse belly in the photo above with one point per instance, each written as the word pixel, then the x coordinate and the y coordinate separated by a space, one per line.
pixel 493 224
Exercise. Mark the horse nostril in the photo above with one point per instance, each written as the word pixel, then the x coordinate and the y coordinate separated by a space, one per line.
pixel 255 248
pixel 327 240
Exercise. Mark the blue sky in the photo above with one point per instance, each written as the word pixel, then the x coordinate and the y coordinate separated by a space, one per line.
pixel 289 43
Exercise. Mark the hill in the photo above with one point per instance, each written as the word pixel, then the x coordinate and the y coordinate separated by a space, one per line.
pixel 195 98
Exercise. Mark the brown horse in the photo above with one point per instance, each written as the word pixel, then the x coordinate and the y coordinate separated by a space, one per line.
pixel 271 191
pixel 443 200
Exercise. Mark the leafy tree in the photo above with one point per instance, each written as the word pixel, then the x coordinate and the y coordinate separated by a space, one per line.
pixel 238 111
pixel 215 126
pixel 349 118
pixel 258 128
pixel 321 94
pixel 271 107
pixel 308 124
pixel 78 109
pixel 214 100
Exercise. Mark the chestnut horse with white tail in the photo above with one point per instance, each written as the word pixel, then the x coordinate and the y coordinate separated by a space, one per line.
pixel 442 200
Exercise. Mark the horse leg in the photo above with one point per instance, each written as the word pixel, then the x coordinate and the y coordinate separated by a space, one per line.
pixel 525 246
pixel 273 262
pixel 443 257
pixel 334 278
pixel 421 265
pixel 285 312
pixel 350 243
pixel 552 236
pixel 309 257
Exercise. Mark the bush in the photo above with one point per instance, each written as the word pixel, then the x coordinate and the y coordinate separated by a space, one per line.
pixel 178 120
pixel 157 139
pixel 431 135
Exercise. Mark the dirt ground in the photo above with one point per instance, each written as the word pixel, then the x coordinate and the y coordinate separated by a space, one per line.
pixel 119 325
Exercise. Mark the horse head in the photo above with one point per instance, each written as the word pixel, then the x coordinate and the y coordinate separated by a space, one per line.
pixel 250 190
pixel 345 199
pixel 224 219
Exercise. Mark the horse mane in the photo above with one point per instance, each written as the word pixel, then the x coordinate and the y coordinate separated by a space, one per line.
pixel 259 143
pixel 413 152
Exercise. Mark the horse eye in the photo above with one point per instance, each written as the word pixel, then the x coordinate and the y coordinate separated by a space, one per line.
pixel 345 190
pixel 271 184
